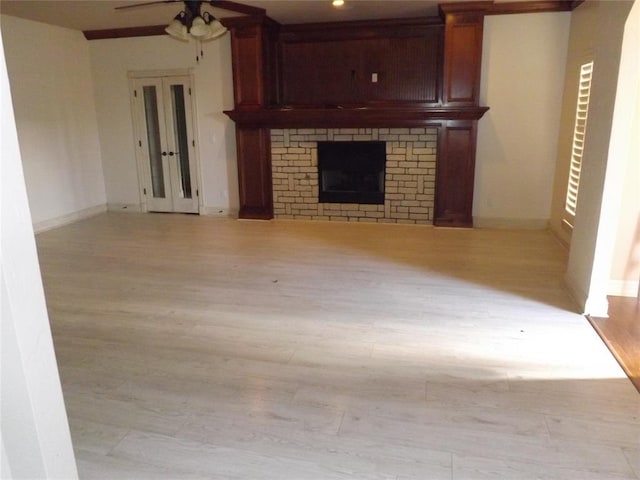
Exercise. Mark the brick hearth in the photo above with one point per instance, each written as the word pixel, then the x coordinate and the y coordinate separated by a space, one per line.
pixel 409 180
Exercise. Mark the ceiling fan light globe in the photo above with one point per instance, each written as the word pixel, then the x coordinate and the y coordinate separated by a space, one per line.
pixel 216 29
pixel 177 30
pixel 199 27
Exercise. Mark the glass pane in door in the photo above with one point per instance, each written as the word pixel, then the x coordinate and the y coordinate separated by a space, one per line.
pixel 181 140
pixel 153 140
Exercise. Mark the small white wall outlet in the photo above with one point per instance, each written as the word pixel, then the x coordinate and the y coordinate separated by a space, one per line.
pixel 374 78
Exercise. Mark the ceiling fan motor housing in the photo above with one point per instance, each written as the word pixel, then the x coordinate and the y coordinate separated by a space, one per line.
pixel 193 9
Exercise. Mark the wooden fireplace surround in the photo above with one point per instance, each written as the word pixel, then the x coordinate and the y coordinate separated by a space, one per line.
pixel 319 76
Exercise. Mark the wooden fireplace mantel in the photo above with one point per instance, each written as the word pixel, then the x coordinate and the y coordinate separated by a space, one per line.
pixel 320 76
pixel 352 116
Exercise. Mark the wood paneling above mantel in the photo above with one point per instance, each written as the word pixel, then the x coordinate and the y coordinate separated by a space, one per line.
pixel 345 117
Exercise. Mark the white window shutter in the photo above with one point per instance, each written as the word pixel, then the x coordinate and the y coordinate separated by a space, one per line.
pixel 577 148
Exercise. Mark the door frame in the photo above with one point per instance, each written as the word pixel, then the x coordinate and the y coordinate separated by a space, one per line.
pixel 138 122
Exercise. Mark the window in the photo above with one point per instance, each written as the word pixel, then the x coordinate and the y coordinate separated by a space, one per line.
pixel 577 147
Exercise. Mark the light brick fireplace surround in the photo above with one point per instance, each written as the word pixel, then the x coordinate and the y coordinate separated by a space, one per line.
pixel 410 175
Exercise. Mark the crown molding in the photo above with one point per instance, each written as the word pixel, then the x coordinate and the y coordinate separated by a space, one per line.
pixel 537 6
pixel 148 31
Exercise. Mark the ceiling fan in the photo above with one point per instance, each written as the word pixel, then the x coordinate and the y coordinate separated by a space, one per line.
pixel 192 22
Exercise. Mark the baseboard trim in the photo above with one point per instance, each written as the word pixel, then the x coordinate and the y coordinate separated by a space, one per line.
pixel 219 212
pixel 209 211
pixel 511 223
pixel 578 295
pixel 623 288
pixel 597 306
pixel 52 223
pixel 124 207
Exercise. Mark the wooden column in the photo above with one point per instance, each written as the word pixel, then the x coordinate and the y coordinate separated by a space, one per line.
pixel 252 46
pixel 460 88
pixel 455 173
pixel 253 145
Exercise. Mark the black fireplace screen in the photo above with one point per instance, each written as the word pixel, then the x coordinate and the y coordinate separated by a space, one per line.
pixel 351 172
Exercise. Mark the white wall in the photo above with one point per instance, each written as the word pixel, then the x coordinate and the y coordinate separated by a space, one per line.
pixel 53 99
pixel 597 27
pixel 523 67
pixel 625 148
pixel 35 434
pixel 111 61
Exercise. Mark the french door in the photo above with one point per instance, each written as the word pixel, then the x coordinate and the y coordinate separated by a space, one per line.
pixel 165 143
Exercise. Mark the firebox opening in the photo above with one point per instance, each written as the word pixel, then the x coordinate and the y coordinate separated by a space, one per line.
pixel 351 172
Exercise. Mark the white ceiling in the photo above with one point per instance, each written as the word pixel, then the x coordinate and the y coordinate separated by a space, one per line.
pixel 101 14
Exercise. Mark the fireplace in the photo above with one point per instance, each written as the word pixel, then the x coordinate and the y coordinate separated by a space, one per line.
pixel 351 172
pixel 409 174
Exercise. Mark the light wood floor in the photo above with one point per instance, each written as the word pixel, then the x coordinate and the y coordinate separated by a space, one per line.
pixel 194 347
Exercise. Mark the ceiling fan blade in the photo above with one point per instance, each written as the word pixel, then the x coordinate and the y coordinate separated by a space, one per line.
pixel 237 7
pixel 134 5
